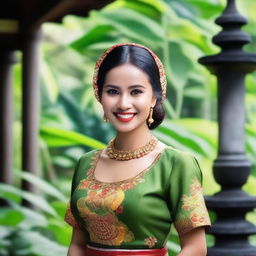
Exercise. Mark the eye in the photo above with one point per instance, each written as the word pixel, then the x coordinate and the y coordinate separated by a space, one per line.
pixel 136 91
pixel 112 91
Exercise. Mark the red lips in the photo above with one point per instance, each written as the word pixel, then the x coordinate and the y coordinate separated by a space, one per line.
pixel 125 116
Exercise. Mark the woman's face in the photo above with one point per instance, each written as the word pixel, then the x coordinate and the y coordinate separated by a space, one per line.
pixel 127 96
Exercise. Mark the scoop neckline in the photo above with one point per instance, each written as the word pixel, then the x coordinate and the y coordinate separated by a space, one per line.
pixel 139 175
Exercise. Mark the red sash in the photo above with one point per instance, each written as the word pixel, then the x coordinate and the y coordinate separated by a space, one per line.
pixel 93 251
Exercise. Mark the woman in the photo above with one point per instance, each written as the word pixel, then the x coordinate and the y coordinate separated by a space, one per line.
pixel 126 196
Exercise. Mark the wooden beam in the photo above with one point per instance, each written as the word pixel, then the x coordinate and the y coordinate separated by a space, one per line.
pixel 81 7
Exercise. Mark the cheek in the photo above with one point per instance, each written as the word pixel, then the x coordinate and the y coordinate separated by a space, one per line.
pixel 143 106
pixel 104 96
pixel 107 102
pixel 146 100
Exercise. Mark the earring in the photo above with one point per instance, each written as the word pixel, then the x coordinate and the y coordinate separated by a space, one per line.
pixel 150 117
pixel 105 119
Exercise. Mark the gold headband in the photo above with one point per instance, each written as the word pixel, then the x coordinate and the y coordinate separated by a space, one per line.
pixel 104 55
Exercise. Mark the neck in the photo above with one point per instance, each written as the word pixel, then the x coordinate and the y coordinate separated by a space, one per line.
pixel 132 140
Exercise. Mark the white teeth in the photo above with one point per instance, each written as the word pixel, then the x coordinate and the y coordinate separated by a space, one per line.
pixel 125 116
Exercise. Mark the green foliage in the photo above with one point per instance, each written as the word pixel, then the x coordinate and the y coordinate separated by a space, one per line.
pixel 55 137
pixel 25 231
pixel 176 135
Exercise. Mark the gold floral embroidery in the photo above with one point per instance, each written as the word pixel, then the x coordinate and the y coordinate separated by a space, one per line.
pixel 195 206
pixel 91 183
pixel 103 227
pixel 100 207
pixel 150 241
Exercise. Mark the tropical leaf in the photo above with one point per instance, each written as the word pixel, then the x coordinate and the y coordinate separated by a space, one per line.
pixel 177 136
pixel 100 33
pixel 189 12
pixel 151 9
pixel 11 193
pixel 10 217
pixel 58 226
pixel 198 8
pixel 133 25
pixel 205 129
pixel 32 218
pixel 33 243
pixel 56 137
pixel 50 84
pixel 44 186
pixel 180 65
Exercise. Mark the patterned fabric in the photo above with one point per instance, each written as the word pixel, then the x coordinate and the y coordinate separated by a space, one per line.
pixel 138 212
pixel 157 60
pixel 101 206
pixel 70 219
pixel 195 212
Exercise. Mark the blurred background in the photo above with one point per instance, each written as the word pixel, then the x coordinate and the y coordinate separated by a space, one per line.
pixel 71 123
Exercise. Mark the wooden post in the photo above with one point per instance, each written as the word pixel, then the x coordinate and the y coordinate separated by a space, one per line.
pixel 7 58
pixel 31 105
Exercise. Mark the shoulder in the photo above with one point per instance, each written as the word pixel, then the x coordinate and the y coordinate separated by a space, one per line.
pixel 86 159
pixel 88 154
pixel 181 162
pixel 177 155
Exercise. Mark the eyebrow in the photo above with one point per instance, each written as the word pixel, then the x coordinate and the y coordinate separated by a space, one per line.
pixel 130 87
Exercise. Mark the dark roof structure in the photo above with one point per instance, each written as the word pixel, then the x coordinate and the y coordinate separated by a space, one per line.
pixel 23 16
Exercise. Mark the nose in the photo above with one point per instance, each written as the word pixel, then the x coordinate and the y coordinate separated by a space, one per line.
pixel 124 102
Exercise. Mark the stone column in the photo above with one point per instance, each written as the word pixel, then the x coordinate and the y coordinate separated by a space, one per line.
pixel 231 168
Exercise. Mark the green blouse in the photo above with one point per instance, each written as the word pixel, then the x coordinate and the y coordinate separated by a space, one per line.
pixel 138 212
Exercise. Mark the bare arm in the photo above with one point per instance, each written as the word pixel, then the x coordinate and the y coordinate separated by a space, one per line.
pixel 78 243
pixel 193 243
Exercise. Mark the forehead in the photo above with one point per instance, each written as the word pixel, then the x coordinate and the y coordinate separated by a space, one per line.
pixel 126 74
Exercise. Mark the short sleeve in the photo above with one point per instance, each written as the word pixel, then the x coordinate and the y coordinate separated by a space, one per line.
pixel 69 217
pixel 186 194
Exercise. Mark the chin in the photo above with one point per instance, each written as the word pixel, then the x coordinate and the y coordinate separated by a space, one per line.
pixel 127 128
pixel 124 129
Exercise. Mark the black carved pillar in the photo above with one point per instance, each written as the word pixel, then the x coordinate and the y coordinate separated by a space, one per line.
pixel 231 168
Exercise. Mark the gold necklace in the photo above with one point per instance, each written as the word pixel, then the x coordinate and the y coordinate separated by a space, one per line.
pixel 123 155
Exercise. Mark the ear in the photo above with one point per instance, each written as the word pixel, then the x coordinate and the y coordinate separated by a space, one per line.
pixel 153 102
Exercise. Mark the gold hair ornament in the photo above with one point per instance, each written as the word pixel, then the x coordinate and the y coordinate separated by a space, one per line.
pixel 157 60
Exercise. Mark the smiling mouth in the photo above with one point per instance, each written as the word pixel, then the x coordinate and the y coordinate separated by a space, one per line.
pixel 125 117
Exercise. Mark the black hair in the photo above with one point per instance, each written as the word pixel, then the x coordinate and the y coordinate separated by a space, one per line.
pixel 142 59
